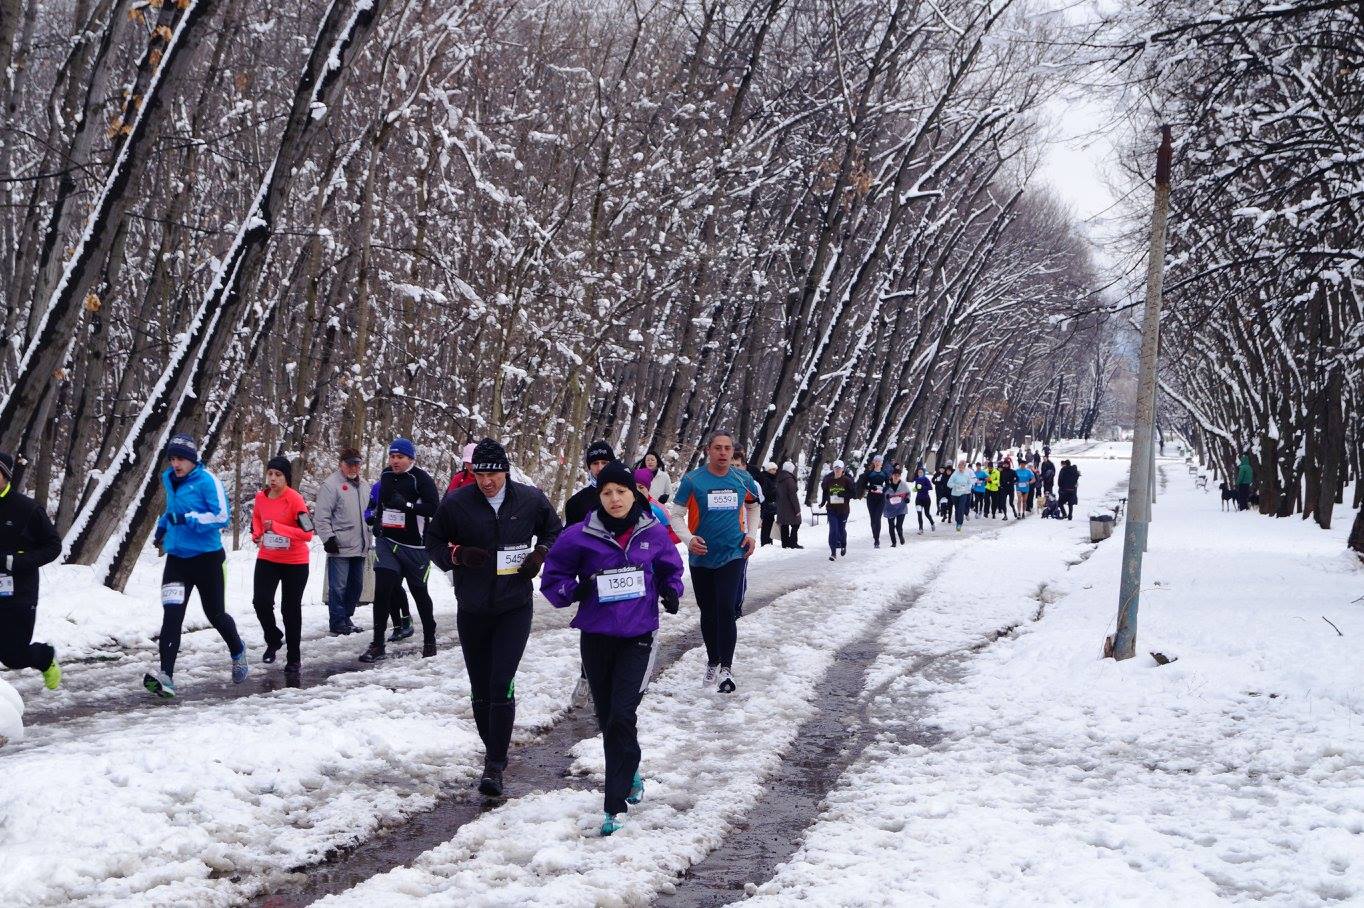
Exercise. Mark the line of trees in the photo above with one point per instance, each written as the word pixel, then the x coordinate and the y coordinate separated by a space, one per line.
pixel 300 226
pixel 1263 337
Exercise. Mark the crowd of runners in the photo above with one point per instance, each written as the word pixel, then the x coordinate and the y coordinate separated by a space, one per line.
pixel 614 556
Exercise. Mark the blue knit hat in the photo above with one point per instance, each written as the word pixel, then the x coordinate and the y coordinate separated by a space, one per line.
pixel 183 445
pixel 403 446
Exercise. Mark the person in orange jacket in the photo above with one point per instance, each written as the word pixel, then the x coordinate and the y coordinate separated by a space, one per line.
pixel 282 527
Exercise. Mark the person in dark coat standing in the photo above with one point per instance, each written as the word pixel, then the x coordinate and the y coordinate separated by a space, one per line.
pixel 584 501
pixel 494 536
pixel 1048 471
pixel 788 507
pixel 1067 483
pixel 27 542
pixel 767 481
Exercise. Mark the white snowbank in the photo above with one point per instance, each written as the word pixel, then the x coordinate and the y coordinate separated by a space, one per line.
pixel 11 715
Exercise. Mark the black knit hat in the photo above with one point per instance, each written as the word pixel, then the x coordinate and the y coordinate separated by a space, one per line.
pixel 599 450
pixel 490 457
pixel 7 466
pixel 281 463
pixel 616 472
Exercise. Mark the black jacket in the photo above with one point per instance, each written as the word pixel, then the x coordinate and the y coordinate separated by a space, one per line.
pixel 1048 471
pixel 789 511
pixel 767 482
pixel 418 492
pixel 27 542
pixel 1068 479
pixel 583 502
pixel 1008 478
pixel 466 518
pixel 843 487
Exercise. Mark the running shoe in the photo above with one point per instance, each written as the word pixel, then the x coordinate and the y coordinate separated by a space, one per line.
pixel 373 653
pixel 711 672
pixel 490 785
pixel 268 657
pixel 52 676
pixel 239 667
pixel 636 790
pixel 726 685
pixel 159 685
pixel 612 823
pixel 292 667
pixel 404 632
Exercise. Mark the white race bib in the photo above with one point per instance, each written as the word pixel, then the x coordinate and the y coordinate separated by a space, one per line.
pixel 835 499
pixel 172 594
pixel 896 499
pixel 620 584
pixel 509 560
pixel 6 584
pixel 275 541
pixel 393 519
pixel 722 500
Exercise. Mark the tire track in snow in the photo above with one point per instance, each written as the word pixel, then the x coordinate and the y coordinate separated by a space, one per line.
pixel 543 763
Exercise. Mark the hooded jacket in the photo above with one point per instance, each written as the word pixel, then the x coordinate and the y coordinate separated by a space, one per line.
pixel 465 517
pixel 897 498
pixel 585 550
pixel 27 542
pixel 196 512
pixel 1244 475
pixel 1069 478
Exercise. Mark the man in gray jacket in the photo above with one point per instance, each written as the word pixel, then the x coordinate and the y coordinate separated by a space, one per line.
pixel 340 522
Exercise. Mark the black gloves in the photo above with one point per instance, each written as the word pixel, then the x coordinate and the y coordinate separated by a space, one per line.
pixel 469 556
pixel 395 500
pixel 663 499
pixel 331 547
pixel 669 601
pixel 534 561
pixel 176 519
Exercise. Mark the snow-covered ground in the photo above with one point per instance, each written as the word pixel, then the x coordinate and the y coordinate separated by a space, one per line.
pixel 1009 763
pixel 1233 774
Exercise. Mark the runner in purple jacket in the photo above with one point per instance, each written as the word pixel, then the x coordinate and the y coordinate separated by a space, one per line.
pixel 619 564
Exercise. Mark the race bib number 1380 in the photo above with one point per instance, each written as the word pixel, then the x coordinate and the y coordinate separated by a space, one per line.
pixel 620 584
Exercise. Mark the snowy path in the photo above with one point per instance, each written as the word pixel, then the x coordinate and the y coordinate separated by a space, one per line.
pixel 219 801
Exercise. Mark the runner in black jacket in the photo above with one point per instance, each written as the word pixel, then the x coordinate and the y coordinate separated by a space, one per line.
pixel 585 500
pixel 494 535
pixel 407 496
pixel 27 542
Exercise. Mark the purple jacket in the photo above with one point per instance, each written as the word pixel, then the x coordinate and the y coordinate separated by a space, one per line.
pixel 585 549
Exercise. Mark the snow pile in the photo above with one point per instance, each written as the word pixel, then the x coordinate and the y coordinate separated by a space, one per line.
pixel 1036 772
pixel 11 715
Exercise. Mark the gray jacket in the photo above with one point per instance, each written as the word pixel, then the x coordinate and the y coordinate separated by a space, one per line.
pixel 341 513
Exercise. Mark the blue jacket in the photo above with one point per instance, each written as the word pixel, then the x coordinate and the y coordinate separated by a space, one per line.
pixel 196 513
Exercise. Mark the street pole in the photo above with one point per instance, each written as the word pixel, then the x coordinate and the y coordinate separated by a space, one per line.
pixel 1140 478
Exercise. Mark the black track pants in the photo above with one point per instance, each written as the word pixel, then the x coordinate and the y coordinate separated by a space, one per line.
pixel 492 647
pixel 181 577
pixel 293 578
pixel 618 670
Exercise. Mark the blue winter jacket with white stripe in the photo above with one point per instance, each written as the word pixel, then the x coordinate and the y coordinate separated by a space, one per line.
pixel 196 512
